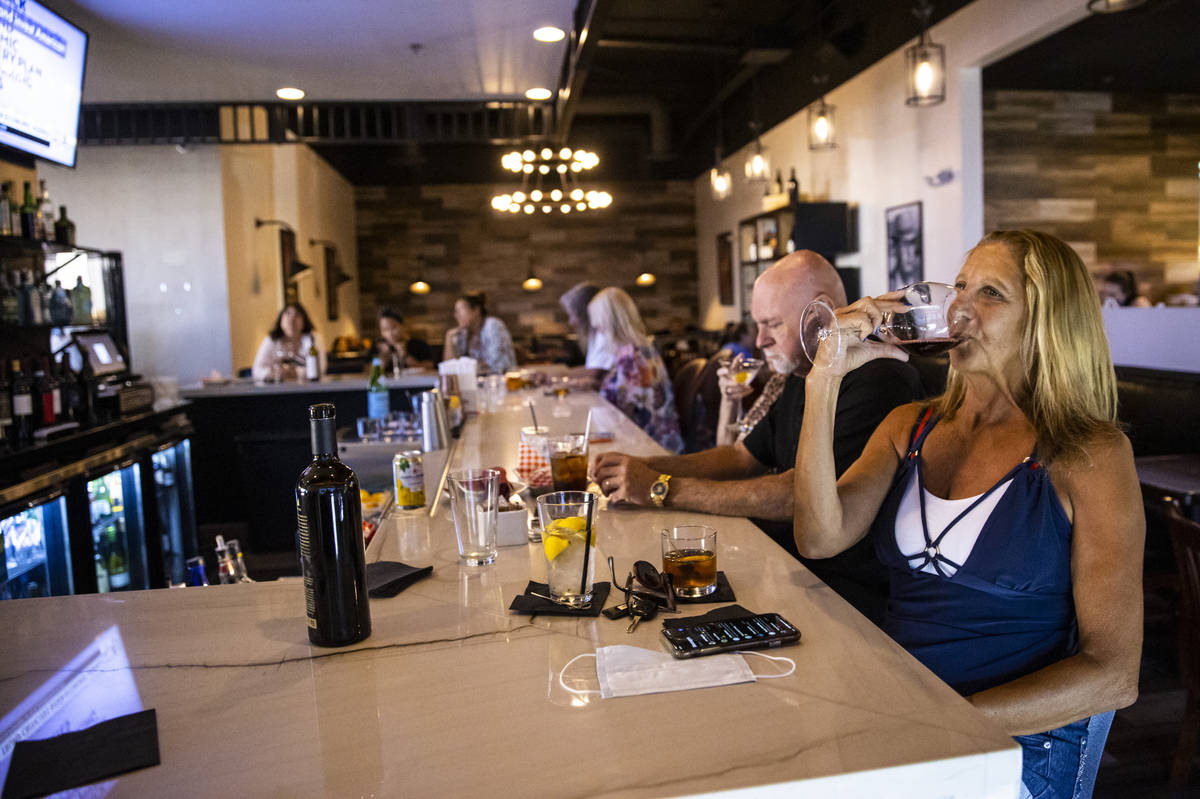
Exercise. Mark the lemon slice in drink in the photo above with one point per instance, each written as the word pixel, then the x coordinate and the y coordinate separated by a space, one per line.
pixel 568 524
pixel 742 377
pixel 554 543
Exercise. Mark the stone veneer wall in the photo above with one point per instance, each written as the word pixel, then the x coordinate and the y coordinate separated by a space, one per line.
pixel 465 245
pixel 1113 174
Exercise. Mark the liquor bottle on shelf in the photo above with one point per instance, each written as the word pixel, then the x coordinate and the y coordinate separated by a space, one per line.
pixel 43 293
pixel 64 229
pixel 29 209
pixel 793 188
pixel 10 304
pixel 14 210
pixel 377 394
pixel 779 181
pixel 22 402
pixel 25 299
pixel 6 412
pixel 329 534
pixel 49 400
pixel 81 302
pixel 61 311
pixel 225 569
pixel 5 209
pixel 45 212
pixel 69 389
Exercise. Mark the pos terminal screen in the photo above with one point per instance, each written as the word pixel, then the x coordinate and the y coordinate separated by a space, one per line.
pixel 102 353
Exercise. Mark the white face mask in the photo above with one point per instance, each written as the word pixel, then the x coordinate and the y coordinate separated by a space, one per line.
pixel 630 670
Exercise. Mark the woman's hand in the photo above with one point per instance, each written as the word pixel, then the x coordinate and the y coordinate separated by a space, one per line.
pixel 850 349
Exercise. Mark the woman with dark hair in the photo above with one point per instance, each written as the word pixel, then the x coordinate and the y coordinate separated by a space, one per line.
pixel 479 336
pixel 1007 510
pixel 282 354
pixel 1120 287
pixel 396 348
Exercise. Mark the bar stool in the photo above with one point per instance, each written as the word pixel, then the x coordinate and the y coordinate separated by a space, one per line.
pixel 1185 535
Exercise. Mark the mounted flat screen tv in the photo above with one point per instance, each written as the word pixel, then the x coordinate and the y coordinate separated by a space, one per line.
pixel 41 81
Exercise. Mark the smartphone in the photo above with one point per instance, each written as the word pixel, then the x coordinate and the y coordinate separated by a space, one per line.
pixel 765 630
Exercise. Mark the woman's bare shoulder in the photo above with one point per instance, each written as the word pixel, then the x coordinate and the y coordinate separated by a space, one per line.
pixel 898 425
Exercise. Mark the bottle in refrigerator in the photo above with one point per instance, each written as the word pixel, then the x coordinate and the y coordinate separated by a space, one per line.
pixel 22 407
pixel 10 304
pixel 116 562
pixel 377 393
pixel 330 539
pixel 6 414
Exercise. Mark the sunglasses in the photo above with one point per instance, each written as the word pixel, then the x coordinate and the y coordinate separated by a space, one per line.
pixel 646 583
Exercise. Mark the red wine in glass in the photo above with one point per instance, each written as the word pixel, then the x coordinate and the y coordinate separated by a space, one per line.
pixel 928 347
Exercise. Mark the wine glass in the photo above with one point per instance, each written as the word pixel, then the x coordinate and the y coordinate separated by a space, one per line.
pixel 925 327
pixel 559 386
pixel 743 371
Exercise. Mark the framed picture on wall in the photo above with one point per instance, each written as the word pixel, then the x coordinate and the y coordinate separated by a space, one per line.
pixel 905 249
pixel 332 273
pixel 725 267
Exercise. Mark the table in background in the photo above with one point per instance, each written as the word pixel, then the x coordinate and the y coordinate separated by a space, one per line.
pixel 453 695
pixel 1176 476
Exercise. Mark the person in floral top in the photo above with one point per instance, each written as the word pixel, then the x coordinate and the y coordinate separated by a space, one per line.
pixel 637 383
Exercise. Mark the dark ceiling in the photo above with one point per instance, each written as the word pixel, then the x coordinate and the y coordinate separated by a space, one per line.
pixel 1155 48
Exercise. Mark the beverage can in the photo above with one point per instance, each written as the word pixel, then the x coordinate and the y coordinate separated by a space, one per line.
pixel 408 471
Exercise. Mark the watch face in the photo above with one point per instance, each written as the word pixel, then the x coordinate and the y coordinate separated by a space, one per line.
pixel 658 489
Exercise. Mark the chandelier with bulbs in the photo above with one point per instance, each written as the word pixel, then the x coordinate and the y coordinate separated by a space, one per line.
pixel 549 182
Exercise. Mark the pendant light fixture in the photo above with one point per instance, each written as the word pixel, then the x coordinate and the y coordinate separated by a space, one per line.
pixel 550 182
pixel 720 182
pixel 925 63
pixel 532 282
pixel 419 286
pixel 646 279
pixel 758 166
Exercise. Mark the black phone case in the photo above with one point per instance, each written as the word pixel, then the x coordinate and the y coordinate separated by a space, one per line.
pixel 762 631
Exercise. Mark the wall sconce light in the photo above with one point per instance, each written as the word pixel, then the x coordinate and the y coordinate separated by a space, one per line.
pixel 926 64
pixel 822 126
pixel 292 266
pixel 646 279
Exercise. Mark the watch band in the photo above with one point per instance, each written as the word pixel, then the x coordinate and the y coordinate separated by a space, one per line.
pixel 658 491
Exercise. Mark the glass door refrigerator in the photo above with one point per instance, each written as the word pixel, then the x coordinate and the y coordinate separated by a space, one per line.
pixel 36 556
pixel 118 528
pixel 171 464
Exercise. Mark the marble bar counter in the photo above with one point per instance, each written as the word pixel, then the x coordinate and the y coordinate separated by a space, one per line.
pixel 455 695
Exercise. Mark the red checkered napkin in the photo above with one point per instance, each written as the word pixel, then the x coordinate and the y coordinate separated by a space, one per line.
pixel 532 468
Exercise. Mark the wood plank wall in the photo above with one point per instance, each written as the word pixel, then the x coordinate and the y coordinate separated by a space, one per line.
pixel 1114 174
pixel 465 245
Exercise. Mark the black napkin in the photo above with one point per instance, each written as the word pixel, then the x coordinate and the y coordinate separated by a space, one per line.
pixel 718 614
pixel 386 578
pixel 99 752
pixel 724 593
pixel 526 603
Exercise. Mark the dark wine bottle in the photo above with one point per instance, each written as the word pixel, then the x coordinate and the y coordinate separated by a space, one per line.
pixel 29 210
pixel 330 540
pixel 22 402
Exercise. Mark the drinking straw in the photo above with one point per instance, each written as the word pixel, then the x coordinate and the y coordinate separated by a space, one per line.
pixel 587 542
pixel 587 428
pixel 534 415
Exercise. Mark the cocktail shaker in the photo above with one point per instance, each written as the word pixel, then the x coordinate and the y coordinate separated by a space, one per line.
pixel 435 430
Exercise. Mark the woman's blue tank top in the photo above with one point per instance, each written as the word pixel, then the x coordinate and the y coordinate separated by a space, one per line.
pixel 1008 609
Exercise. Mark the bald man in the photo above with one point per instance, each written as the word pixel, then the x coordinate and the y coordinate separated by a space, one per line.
pixel 753 477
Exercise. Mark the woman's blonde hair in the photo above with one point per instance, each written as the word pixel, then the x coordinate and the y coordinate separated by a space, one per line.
pixel 613 312
pixel 1069 390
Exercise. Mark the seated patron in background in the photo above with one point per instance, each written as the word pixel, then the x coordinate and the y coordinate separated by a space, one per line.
pixel 599 356
pixel 282 354
pixel 396 348
pixel 637 383
pixel 753 477
pixel 479 336
pixel 1007 510
pixel 738 339
pixel 1120 287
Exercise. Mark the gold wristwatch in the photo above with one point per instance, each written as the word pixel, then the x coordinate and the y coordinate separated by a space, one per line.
pixel 658 490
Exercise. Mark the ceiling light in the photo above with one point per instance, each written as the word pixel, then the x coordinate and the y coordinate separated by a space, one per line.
pixel 550 179
pixel 532 283
pixel 549 34
pixel 538 94
pixel 289 93
pixel 418 287
pixel 925 63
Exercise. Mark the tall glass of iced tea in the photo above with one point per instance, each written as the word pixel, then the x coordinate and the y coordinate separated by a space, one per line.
pixel 569 462
pixel 690 556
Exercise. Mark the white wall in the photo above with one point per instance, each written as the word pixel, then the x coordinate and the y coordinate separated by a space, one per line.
pixel 886 149
pixel 162 210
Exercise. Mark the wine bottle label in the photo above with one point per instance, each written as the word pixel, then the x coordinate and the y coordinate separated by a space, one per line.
pixel 377 404
pixel 23 404
pixel 310 594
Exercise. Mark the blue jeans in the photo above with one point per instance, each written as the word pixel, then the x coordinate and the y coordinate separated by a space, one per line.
pixel 1062 763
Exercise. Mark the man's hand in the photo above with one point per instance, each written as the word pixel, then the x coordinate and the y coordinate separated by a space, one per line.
pixel 730 387
pixel 624 479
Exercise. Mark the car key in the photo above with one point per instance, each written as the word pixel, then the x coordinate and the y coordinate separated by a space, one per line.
pixel 640 609
pixel 616 611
